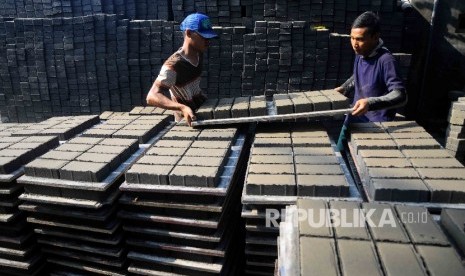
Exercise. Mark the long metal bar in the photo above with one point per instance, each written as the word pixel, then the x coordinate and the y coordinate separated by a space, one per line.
pixel 271 118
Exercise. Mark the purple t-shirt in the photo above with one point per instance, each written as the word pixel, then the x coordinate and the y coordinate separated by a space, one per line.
pixel 374 77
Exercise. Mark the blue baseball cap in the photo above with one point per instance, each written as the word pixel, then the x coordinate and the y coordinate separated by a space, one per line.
pixel 200 23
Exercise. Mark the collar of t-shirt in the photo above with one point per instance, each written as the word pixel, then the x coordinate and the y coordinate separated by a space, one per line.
pixel 375 50
pixel 188 60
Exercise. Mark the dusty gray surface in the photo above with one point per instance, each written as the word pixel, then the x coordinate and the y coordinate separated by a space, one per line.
pixel 355 255
pixel 400 259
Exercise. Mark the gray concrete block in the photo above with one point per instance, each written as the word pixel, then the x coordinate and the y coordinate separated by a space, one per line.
pixel 322 185
pixel 391 229
pixel 194 176
pixel 318 222
pixel 349 212
pixel 430 153
pixel 387 162
pixel 440 259
pixel 313 151
pixel 112 159
pixel 271 169
pixel 280 185
pixel 373 144
pixel 201 161
pixel 318 256
pixel 257 106
pixel 173 144
pixel 311 142
pixel 122 152
pixel 259 150
pixel 354 255
pixel 436 163
pixel 453 221
pixel 132 144
pixel 206 153
pixel 393 173
pixel 45 168
pixel 304 169
pixel 74 147
pixel 271 159
pixel 272 142
pixel 446 191
pixel 223 108
pixel 9 164
pixel 211 144
pixel 166 151
pixel 394 153
pixel 240 108
pixel 216 135
pixel 370 136
pixel 400 259
pixel 423 143
pixel 442 173
pixel 181 135
pixel 421 226
pixel 315 159
pixel 159 160
pixel 205 111
pixel 85 140
pixel 149 174
pixel 85 171
pixel 61 155
pixel 401 190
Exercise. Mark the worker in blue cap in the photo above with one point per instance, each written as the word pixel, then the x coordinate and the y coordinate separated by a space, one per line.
pixel 180 74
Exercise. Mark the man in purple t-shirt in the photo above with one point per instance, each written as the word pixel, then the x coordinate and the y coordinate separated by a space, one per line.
pixel 376 86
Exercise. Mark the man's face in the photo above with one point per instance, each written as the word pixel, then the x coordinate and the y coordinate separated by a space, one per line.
pixel 363 42
pixel 198 42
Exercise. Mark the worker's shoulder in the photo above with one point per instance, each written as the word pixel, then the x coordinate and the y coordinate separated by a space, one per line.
pixel 174 59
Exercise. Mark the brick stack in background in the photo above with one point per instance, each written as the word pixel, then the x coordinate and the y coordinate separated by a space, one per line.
pixel 455 135
pixel 77 60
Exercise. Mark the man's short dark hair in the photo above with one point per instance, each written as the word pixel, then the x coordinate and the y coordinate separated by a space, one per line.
pixel 367 20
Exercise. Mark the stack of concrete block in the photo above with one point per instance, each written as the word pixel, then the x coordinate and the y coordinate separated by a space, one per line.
pixel 198 232
pixel 341 60
pixel 310 101
pixel 224 63
pixel 106 115
pixel 316 175
pixel 286 162
pixel 412 240
pixel 453 221
pixel 232 108
pixel 64 127
pixel 80 61
pixel 70 196
pixel 20 254
pixel 142 128
pixel 147 110
pixel 400 161
pixel 455 135
pixel 7 129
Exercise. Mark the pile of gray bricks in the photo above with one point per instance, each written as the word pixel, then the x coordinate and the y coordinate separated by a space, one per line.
pixel 181 204
pixel 405 245
pixel 455 135
pixel 70 197
pixel 64 127
pixel 20 253
pixel 85 57
pixel 287 161
pixel 310 101
pixel 142 128
pixel 400 161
